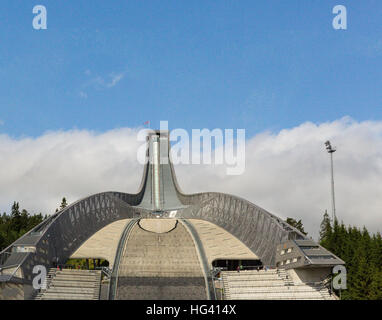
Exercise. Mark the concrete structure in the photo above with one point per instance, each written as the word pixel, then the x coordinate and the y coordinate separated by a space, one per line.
pixel 272 284
pixel 161 265
pixel 162 239
pixel 220 244
pixel 69 284
pixel 103 244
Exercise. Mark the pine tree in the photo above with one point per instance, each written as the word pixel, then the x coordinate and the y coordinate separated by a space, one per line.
pixel 24 217
pixel 2 240
pixel 325 228
pixel 15 217
pixel 63 203
pixel 15 211
pixel 297 224
pixel 377 251
pixel 16 224
pixel 376 286
pixel 360 283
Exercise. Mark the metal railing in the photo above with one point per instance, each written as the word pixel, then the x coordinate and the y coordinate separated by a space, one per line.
pixel 106 271
pixel 114 275
pixel 4 257
pixel 208 275
pixel 18 266
pixel 214 272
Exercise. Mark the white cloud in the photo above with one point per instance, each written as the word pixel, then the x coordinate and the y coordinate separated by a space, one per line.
pixel 287 173
pixel 115 78
pixel 38 172
pixel 83 95
pixel 110 81
pixel 98 82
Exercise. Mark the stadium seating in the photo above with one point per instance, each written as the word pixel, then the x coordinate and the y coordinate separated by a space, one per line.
pixel 272 284
pixel 70 284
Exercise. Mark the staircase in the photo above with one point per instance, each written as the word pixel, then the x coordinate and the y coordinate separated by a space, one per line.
pixel 68 284
pixel 273 284
pixel 283 275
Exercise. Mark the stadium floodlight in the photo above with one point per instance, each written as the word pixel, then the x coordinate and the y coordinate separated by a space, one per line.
pixel 329 147
pixel 331 150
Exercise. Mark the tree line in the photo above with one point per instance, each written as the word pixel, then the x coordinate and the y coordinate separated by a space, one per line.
pixel 361 251
pixel 18 222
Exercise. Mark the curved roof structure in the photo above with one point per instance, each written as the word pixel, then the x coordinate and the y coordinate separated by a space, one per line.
pixel 257 232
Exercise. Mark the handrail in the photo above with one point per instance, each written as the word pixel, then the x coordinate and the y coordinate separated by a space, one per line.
pixel 114 275
pixel 18 266
pixel 4 257
pixel 106 271
pixel 211 293
pixel 213 283
pixel 214 273
pixel 323 280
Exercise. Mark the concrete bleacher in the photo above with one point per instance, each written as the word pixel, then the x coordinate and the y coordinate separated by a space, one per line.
pixel 162 265
pixel 271 284
pixel 70 284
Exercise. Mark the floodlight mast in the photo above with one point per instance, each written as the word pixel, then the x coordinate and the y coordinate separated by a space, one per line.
pixel 331 150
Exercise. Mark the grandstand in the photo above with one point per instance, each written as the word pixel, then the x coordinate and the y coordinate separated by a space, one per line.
pixel 70 284
pixel 272 284
pixel 163 244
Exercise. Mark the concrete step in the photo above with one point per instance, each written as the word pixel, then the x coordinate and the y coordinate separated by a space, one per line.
pixel 281 296
pixel 254 277
pixel 283 290
pixel 252 272
pixel 56 283
pixel 255 280
pixel 76 278
pixel 267 285
pixel 72 285
pixel 67 297
pixel 74 290
pixel 78 273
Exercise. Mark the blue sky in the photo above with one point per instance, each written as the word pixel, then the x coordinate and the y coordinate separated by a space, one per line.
pixel 258 65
